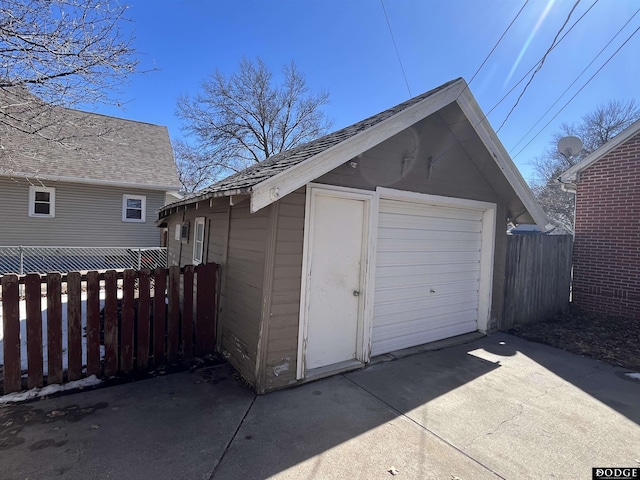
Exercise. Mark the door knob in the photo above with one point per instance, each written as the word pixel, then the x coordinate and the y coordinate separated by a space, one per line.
pixel 356 293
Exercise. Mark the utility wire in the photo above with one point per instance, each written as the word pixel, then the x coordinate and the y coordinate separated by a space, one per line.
pixel 540 64
pixel 497 43
pixel 580 90
pixel 506 95
pixel 396 47
pixel 574 82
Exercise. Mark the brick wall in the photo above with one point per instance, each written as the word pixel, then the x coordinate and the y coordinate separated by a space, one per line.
pixel 606 263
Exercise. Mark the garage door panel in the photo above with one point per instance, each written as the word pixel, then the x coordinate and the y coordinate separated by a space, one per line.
pixel 428 268
pixel 391 314
pixel 427 258
pixel 392 208
pixel 419 269
pixel 433 224
pixel 421 279
pixel 460 244
pixel 426 235
pixel 419 325
pixel 419 338
pixel 430 291
pixel 424 303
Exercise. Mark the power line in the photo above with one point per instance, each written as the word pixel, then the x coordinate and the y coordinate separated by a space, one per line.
pixel 497 43
pixel 574 82
pixel 540 64
pixel 580 90
pixel 506 95
pixel 396 47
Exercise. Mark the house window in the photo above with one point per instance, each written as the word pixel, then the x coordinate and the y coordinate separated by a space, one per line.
pixel 134 208
pixel 178 231
pixel 42 202
pixel 198 240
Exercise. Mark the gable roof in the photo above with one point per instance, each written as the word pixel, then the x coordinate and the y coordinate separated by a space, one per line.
pixel 572 175
pixel 287 171
pixel 91 148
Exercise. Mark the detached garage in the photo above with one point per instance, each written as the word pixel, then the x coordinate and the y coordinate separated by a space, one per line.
pixel 381 236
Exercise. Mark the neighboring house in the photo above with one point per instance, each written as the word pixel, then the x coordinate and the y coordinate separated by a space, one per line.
pixel 606 255
pixel 101 186
pixel 387 234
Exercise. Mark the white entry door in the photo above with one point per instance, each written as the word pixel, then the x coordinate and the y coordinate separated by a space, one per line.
pixel 335 260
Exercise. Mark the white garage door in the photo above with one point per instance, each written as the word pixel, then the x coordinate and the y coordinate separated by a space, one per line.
pixel 428 273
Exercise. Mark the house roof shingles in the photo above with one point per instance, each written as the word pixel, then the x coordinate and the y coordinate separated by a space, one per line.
pixel 243 181
pixel 92 148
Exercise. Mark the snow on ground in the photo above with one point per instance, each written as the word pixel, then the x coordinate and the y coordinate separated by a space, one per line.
pixel 635 376
pixel 23 332
pixel 49 390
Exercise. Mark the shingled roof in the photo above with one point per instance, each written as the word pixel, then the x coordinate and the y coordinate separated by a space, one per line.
pixel 242 182
pixel 86 147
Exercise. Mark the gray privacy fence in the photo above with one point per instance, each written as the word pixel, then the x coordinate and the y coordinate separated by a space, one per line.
pixel 537 278
pixel 22 260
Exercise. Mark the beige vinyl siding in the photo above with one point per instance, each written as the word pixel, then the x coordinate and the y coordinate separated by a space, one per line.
pixel 180 252
pixel 243 288
pixel 85 215
pixel 243 235
pixel 282 339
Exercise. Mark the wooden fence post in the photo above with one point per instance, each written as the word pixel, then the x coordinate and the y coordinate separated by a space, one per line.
pixel 11 333
pixel 159 316
pixel 33 300
pixel 93 323
pixel 110 323
pixel 212 275
pixel 74 325
pixel 201 308
pixel 187 313
pixel 54 328
pixel 173 321
pixel 144 300
pixel 127 324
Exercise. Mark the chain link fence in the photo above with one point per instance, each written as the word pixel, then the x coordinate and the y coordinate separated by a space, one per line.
pixel 22 260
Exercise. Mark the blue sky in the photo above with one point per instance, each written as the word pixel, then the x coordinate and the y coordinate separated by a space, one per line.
pixel 345 46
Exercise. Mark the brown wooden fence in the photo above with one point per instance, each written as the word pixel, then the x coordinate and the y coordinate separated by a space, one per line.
pixel 163 316
pixel 537 278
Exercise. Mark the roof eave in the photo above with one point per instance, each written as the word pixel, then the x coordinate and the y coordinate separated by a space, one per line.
pixel 572 175
pixel 273 188
pixel 89 181
pixel 204 196
pixel 490 139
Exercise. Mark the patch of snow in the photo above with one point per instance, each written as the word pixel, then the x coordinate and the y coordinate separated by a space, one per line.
pixel 49 390
pixel 635 376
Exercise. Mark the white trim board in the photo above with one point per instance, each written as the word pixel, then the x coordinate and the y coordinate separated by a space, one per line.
pixel 273 188
pixel 365 309
pixel 573 173
pixel 494 146
pixel 298 175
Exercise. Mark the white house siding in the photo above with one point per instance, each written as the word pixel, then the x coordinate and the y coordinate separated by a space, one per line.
pixel 85 216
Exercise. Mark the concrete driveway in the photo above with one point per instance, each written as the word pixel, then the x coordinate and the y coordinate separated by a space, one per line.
pixel 498 407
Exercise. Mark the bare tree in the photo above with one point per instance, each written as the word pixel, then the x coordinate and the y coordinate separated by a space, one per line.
pixel 56 54
pixel 594 129
pixel 245 118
